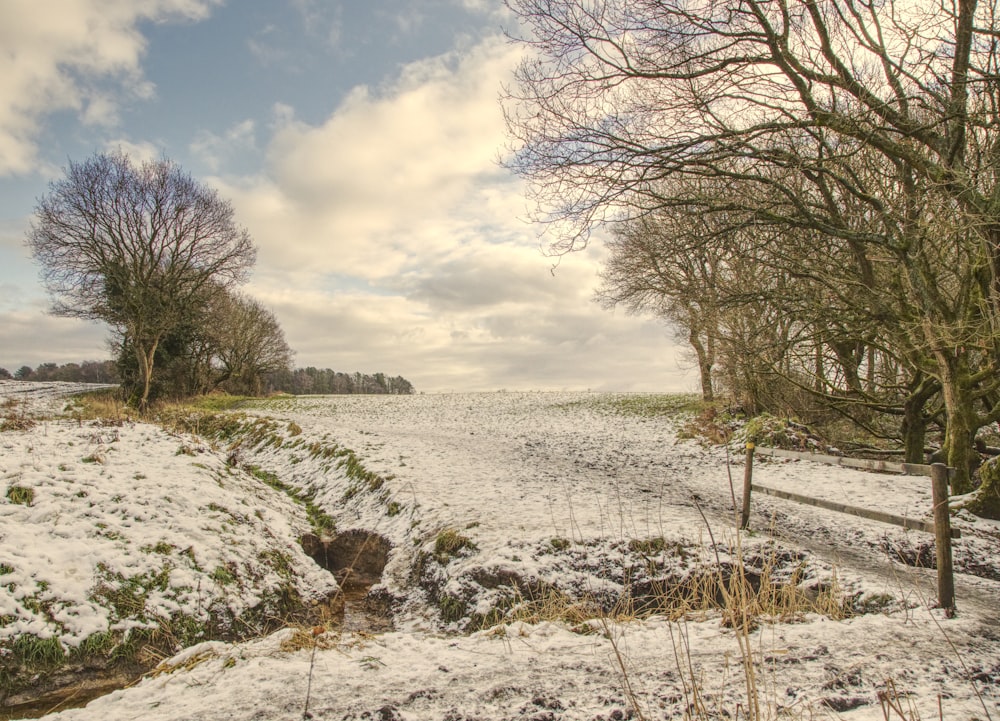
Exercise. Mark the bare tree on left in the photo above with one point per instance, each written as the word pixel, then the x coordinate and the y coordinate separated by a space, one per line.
pixel 135 246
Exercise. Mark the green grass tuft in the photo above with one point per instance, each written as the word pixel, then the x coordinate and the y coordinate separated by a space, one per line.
pixel 223 576
pixel 560 544
pixel 21 495
pixel 450 543
pixel 323 524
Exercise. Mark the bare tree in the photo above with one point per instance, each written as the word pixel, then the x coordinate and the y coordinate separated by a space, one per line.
pixel 134 246
pixel 249 344
pixel 883 113
pixel 665 264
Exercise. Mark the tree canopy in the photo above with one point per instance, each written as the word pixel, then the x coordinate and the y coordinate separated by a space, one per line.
pixel 137 246
pixel 851 147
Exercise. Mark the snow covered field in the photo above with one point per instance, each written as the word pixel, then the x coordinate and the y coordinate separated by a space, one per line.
pixel 553 493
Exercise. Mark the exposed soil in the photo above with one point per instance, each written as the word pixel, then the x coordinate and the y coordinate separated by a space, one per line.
pixel 356 558
pixel 73 688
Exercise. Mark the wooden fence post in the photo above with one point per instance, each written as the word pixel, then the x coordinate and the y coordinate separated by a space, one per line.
pixel 942 539
pixel 747 484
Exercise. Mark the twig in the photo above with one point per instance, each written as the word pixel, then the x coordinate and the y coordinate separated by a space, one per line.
pixel 626 682
pixel 732 487
pixel 312 663
pixel 708 526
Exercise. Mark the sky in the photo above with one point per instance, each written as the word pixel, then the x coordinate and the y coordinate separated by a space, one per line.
pixel 359 144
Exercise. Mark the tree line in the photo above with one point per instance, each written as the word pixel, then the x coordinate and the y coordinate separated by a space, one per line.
pixel 301 381
pixel 807 191
pixel 316 381
pixel 86 372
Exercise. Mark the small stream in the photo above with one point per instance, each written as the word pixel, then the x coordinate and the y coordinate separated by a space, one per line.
pixel 356 558
pixel 79 693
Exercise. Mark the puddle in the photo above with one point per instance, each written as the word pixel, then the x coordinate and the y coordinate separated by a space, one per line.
pixel 76 695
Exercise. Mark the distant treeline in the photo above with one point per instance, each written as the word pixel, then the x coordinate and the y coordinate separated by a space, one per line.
pixel 301 381
pixel 86 372
pixel 324 381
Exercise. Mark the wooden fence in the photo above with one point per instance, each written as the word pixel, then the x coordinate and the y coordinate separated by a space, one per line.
pixel 864 464
pixel 940 527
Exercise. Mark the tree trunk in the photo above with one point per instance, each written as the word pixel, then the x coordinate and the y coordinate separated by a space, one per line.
pixel 847 359
pixel 705 362
pixel 145 358
pixel 914 429
pixel 958 409
pixel 987 499
pixel 914 426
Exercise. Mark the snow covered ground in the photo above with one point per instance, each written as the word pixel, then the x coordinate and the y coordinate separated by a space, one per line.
pixel 557 492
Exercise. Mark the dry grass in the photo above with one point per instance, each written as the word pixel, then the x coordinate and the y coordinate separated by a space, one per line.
pixel 709 425
pixel 729 591
pixel 739 598
pixel 165 667
pixel 107 405
pixel 741 593
pixel 104 405
pixel 553 605
pixel 14 417
pixel 323 636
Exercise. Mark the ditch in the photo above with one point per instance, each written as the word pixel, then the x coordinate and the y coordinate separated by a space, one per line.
pixel 356 558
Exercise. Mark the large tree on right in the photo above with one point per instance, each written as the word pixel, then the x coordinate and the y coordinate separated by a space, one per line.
pixel 870 125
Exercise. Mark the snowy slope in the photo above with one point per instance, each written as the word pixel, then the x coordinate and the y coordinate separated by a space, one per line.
pixel 556 489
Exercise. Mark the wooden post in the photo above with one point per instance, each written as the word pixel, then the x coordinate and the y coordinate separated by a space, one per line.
pixel 942 539
pixel 747 484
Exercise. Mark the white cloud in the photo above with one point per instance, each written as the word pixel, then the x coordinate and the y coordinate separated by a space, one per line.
pixel 26 338
pixel 282 116
pixel 264 47
pixel 100 110
pixel 394 177
pixel 140 152
pixel 486 7
pixel 214 150
pixel 58 53
pixel 406 20
pixel 553 339
pixel 391 240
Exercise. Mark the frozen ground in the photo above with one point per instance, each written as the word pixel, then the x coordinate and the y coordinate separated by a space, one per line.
pixel 554 491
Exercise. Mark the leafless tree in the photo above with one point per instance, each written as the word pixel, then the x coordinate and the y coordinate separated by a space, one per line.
pixel 869 124
pixel 669 264
pixel 249 344
pixel 135 246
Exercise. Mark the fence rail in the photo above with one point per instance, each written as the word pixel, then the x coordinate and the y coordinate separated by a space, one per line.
pixel 911 523
pixel 865 464
pixel 941 527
